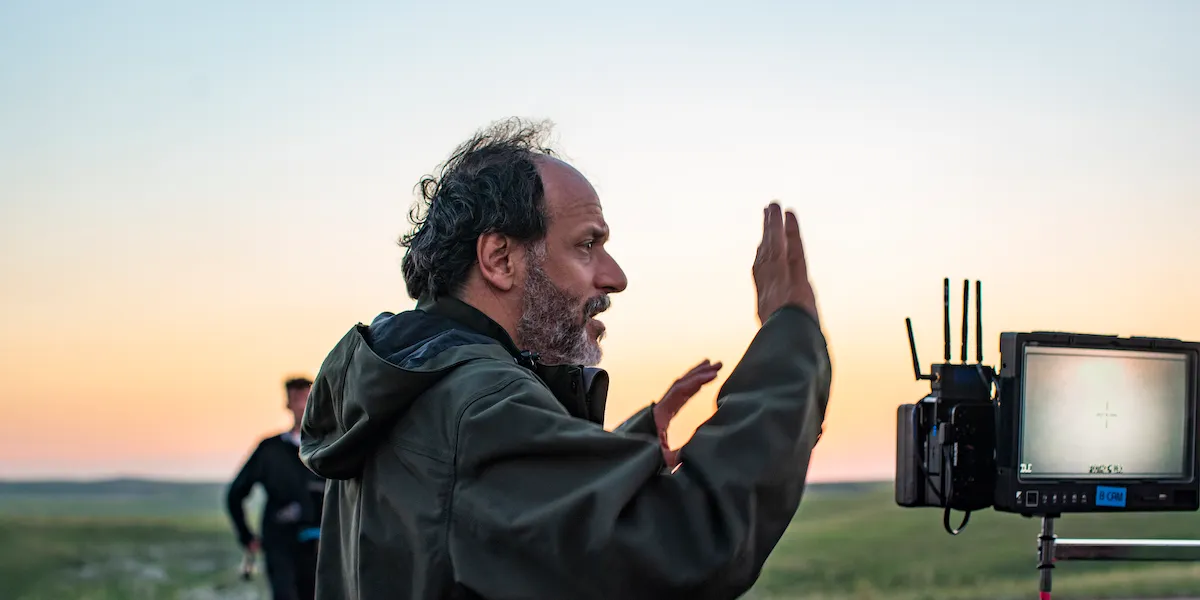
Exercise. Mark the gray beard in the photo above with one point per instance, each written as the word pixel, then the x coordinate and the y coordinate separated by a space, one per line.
pixel 552 324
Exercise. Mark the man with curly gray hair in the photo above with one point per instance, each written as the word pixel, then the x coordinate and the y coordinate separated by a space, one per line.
pixel 463 439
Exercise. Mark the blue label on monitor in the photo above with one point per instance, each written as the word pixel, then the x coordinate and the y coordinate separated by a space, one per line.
pixel 1110 496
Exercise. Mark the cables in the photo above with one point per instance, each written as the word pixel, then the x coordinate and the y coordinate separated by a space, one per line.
pixel 961 526
pixel 941 491
pixel 989 382
pixel 946 513
pixel 943 498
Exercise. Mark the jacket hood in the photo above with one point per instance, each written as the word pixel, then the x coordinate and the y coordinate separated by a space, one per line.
pixel 376 372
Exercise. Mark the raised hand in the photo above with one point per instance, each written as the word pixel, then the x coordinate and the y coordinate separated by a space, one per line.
pixel 780 268
pixel 677 395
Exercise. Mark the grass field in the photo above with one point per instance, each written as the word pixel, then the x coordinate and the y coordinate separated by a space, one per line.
pixel 119 540
pixel 145 540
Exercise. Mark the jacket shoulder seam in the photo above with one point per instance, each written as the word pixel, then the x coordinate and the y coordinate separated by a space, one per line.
pixel 344 372
pixel 495 388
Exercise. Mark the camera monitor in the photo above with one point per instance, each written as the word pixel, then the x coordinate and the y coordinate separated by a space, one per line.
pixel 1104 414
pixel 1096 424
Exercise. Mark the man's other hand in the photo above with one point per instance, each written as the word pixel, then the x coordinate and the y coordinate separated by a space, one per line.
pixel 679 393
pixel 780 268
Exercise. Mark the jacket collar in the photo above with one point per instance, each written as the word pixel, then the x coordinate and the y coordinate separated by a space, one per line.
pixel 456 310
pixel 583 391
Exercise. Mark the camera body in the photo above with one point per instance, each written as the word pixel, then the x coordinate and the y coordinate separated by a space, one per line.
pixel 1069 423
pixel 945 442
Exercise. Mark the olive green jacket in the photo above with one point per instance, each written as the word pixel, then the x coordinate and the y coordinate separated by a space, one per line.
pixel 460 467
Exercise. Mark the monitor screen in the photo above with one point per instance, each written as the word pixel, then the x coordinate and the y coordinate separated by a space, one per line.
pixel 1104 414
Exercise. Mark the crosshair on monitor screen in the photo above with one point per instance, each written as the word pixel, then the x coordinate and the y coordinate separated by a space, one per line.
pixel 1104 414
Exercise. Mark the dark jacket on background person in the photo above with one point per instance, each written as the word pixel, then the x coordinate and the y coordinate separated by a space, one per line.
pixel 294 494
pixel 462 468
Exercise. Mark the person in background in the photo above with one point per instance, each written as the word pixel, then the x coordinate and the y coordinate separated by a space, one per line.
pixel 291 517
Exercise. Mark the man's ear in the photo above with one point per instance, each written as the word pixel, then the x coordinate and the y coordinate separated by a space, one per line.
pixel 498 258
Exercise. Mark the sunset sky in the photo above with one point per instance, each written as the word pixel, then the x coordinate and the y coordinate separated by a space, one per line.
pixel 197 201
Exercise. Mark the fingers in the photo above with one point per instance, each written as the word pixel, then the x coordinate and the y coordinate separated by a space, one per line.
pixel 781 267
pixel 773 236
pixel 688 385
pixel 695 381
pixel 797 263
pixel 704 371
pixel 698 367
pixel 762 244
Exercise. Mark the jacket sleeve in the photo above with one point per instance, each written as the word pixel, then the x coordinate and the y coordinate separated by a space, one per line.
pixel 236 496
pixel 641 422
pixel 549 506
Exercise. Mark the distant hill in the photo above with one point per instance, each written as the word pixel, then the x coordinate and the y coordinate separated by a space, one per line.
pixel 124 487
pixel 104 486
pixel 132 497
pixel 114 497
pixel 133 485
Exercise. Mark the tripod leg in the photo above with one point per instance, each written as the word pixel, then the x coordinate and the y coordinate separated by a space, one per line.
pixel 1045 557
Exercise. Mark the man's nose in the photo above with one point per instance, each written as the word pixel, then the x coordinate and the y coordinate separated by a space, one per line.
pixel 611 278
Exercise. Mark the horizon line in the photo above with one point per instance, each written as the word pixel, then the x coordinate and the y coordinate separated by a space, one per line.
pixel 165 480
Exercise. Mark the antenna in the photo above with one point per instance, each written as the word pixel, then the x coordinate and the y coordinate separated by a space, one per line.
pixel 912 344
pixel 978 322
pixel 966 332
pixel 946 314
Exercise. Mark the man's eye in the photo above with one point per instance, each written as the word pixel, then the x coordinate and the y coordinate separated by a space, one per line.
pixel 588 244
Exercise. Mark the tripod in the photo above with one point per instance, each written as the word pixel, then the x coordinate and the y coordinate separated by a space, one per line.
pixel 1052 550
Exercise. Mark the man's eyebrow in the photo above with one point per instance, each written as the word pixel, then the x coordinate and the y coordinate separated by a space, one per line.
pixel 597 232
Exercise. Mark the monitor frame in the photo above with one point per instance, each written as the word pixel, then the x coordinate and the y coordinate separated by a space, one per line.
pixel 1056 495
